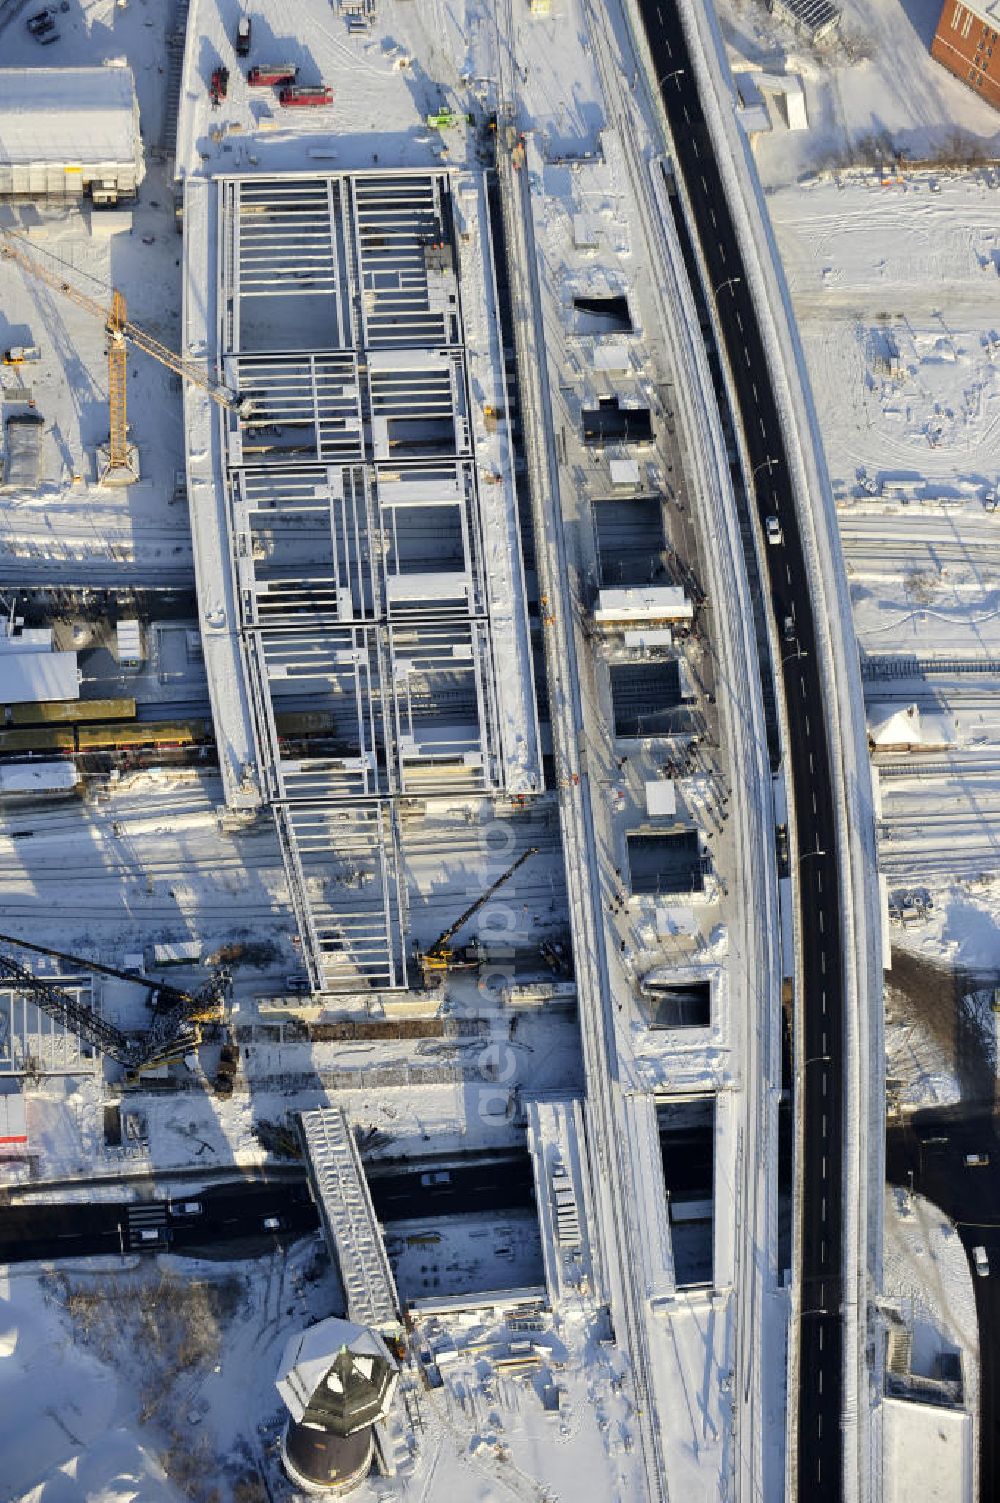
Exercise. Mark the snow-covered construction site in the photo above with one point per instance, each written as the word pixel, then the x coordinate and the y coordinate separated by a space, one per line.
pixel 497 618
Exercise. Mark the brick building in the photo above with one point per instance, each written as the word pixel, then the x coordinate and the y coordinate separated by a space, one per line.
pixel 966 43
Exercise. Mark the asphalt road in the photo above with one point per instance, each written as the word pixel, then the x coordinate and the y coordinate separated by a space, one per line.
pixel 932 1147
pixel 231 1214
pixel 820 1014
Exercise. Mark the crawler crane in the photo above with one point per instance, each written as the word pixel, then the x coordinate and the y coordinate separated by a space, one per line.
pixel 177 1015
pixel 440 958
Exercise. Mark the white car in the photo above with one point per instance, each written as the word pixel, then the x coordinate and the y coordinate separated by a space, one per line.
pixel 981 1261
pixel 185 1208
pixel 772 530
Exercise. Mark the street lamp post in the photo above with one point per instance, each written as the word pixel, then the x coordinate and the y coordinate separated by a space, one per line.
pixel 730 282
pixel 765 464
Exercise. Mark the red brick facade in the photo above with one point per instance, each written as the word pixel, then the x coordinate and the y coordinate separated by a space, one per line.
pixel 966 42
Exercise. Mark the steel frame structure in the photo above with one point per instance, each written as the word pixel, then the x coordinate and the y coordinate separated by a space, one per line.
pixel 358 537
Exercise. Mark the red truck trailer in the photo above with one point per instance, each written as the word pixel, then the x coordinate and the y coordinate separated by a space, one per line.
pixel 263 74
pixel 298 96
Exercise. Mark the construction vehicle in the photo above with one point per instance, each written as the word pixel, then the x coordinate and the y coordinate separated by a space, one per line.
pixel 303 96
pixel 19 354
pixel 177 1015
pixel 225 1075
pixel 263 74
pixel 440 958
pixel 121 463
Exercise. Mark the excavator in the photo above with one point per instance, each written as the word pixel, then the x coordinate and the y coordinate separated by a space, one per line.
pixel 177 1015
pixel 440 958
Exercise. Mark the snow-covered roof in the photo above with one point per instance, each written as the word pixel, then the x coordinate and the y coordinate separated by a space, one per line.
pixel 13 1121
pixel 28 677
pixel 38 777
pixel 892 725
pixel 908 725
pixel 311 1358
pixel 68 115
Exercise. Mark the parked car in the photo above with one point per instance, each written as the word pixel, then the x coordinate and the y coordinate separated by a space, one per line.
pixel 186 1208
pixel 244 30
pixel 981 1261
pixel 977 1160
pixel 272 1223
pixel 436 1177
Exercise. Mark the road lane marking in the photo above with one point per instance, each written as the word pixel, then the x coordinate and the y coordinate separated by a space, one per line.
pixel 824 1129
pixel 815 810
pixel 824 1012
pixel 822 926
pixel 788 573
pixel 763 429
pixel 739 321
pixel 753 387
pixel 819 880
pixel 822 1208
pixel 746 355
pixel 821 1380
pixel 823 1175
pixel 811 767
pixel 822 961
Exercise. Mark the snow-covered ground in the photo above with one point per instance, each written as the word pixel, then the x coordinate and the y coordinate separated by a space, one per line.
pixel 898 300
pixel 872 89
pixel 928 1284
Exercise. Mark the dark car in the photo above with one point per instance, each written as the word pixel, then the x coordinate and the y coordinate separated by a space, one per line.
pixel 244 30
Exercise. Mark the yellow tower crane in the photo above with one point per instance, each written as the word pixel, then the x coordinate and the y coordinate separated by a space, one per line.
pixel 121 465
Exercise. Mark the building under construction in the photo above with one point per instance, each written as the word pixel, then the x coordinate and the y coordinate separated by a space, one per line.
pixel 356 530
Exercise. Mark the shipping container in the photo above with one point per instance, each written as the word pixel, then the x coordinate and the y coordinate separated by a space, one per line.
pixel 182 952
